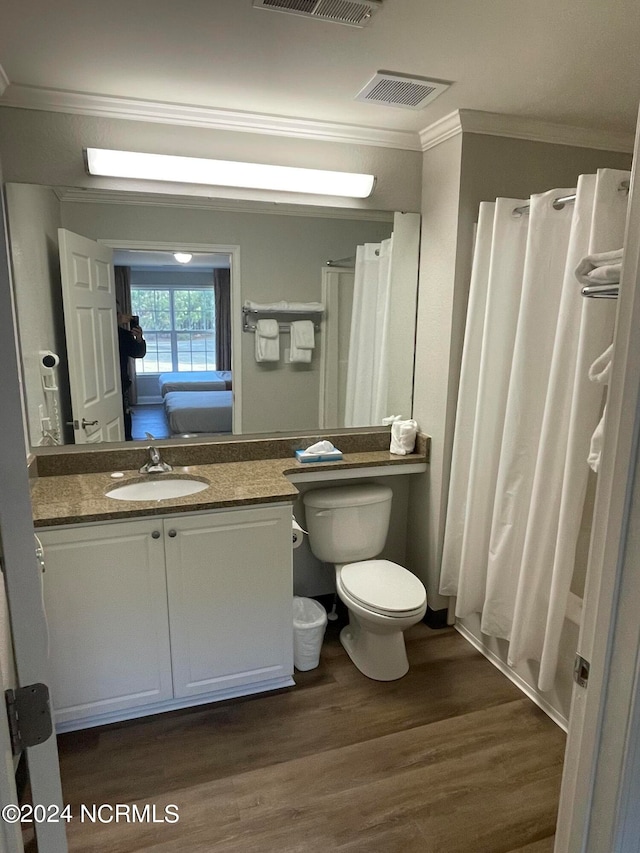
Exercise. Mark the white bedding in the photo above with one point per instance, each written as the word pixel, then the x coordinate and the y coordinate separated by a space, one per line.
pixel 195 380
pixel 198 411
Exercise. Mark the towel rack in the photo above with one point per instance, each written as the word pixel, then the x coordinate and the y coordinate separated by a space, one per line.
pixel 313 314
pixel 600 291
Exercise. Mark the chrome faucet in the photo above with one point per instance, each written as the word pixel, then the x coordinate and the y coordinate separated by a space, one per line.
pixel 155 465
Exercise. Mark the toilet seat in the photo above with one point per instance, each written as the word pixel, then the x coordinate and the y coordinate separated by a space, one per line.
pixel 383 587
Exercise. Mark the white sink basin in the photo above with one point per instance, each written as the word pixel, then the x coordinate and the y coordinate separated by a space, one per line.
pixel 157 490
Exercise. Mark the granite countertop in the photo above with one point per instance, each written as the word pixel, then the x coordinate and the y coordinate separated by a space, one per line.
pixel 79 498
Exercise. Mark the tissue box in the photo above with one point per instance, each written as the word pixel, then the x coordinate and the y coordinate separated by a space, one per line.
pixel 302 456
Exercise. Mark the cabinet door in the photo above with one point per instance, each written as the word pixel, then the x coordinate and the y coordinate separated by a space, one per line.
pixel 105 600
pixel 229 578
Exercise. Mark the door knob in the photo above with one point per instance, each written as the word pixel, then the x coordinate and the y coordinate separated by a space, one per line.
pixel 155 534
pixel 172 534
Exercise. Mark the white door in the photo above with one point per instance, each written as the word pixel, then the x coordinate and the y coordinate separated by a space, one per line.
pixel 592 796
pixel 89 301
pixel 337 298
pixel 22 573
pixel 114 653
pixel 229 580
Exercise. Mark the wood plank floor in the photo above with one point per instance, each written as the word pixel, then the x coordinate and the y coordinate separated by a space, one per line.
pixel 450 759
pixel 151 418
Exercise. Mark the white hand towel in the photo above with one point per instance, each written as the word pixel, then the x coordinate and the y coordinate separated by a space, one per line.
pixel 403 437
pixel 267 338
pixel 302 341
pixel 600 371
pixel 590 263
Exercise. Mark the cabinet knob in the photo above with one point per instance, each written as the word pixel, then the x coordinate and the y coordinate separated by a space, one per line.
pixel 155 534
pixel 172 534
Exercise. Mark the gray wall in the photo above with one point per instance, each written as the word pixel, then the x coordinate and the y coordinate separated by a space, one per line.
pixel 46 148
pixel 33 235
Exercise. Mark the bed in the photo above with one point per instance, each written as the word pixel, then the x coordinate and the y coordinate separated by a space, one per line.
pixel 197 380
pixel 198 411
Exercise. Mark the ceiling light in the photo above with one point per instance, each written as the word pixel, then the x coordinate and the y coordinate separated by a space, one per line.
pixel 182 257
pixel 226 173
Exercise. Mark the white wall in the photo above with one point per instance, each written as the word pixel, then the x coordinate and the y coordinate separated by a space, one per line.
pixel 46 148
pixel 281 257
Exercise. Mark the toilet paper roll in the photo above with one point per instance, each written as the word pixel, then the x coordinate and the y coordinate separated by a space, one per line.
pixel 297 533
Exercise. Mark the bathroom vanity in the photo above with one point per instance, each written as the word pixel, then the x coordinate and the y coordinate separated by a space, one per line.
pixel 159 612
pixel 157 605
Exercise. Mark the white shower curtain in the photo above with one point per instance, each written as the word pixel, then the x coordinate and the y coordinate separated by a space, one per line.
pixel 526 412
pixel 367 367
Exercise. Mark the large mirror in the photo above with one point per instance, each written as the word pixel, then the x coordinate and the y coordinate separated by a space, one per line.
pixel 359 369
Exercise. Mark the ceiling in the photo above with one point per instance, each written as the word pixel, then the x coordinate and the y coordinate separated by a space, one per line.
pixel 574 62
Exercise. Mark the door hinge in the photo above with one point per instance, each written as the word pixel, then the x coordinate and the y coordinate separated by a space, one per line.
pixel 581 671
pixel 29 715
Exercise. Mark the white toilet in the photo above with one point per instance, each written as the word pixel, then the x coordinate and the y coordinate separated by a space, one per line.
pixel 348 526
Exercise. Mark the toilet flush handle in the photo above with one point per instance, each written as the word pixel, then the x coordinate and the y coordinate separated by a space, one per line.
pixel 324 512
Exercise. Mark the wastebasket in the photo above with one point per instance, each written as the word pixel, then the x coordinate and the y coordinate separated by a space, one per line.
pixel 309 623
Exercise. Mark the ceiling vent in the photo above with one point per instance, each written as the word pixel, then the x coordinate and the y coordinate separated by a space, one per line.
pixel 401 90
pixel 353 13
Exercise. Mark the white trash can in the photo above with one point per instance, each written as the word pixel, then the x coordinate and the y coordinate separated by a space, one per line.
pixel 309 623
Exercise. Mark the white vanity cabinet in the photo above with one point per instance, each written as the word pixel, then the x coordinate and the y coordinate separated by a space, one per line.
pixel 159 613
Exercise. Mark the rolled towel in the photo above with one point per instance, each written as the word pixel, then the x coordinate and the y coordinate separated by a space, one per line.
pixel 603 268
pixel 303 341
pixel 403 437
pixel 267 339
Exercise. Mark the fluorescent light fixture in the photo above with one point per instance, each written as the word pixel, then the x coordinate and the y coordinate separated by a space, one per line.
pixel 182 257
pixel 226 173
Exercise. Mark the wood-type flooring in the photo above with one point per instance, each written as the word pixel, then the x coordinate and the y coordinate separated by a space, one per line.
pixel 450 759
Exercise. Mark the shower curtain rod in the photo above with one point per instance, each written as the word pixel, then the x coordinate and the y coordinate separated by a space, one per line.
pixel 347 262
pixel 560 202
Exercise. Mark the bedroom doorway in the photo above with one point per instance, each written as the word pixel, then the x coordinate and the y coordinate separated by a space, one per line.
pixel 186 299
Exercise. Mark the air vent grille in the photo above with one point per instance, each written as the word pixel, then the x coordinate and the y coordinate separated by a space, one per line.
pixel 354 13
pixel 401 90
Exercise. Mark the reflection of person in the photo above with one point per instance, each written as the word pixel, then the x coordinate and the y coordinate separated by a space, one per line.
pixel 131 345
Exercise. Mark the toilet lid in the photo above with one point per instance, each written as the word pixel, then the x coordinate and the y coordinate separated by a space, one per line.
pixel 383 586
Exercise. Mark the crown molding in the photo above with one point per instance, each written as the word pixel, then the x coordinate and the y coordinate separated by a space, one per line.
pixel 520 127
pixel 440 131
pixel 4 81
pixel 105 196
pixel 104 106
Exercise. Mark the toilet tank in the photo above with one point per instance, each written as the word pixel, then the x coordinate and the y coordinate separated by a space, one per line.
pixel 348 523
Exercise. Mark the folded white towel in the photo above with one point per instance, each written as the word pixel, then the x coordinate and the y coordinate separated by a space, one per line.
pixel 303 340
pixel 585 271
pixel 267 339
pixel 600 371
pixel 267 328
pixel 403 437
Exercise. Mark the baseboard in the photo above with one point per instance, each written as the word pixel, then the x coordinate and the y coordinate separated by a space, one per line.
pixel 436 618
pixel 516 679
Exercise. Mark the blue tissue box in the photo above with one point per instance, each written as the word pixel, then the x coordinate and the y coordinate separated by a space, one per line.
pixel 321 457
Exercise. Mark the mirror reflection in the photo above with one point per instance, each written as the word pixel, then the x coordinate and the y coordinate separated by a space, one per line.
pixel 203 370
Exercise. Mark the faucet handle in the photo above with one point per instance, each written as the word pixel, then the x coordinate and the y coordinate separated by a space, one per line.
pixel 149 436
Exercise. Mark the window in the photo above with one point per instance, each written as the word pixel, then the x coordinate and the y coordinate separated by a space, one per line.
pixel 179 327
